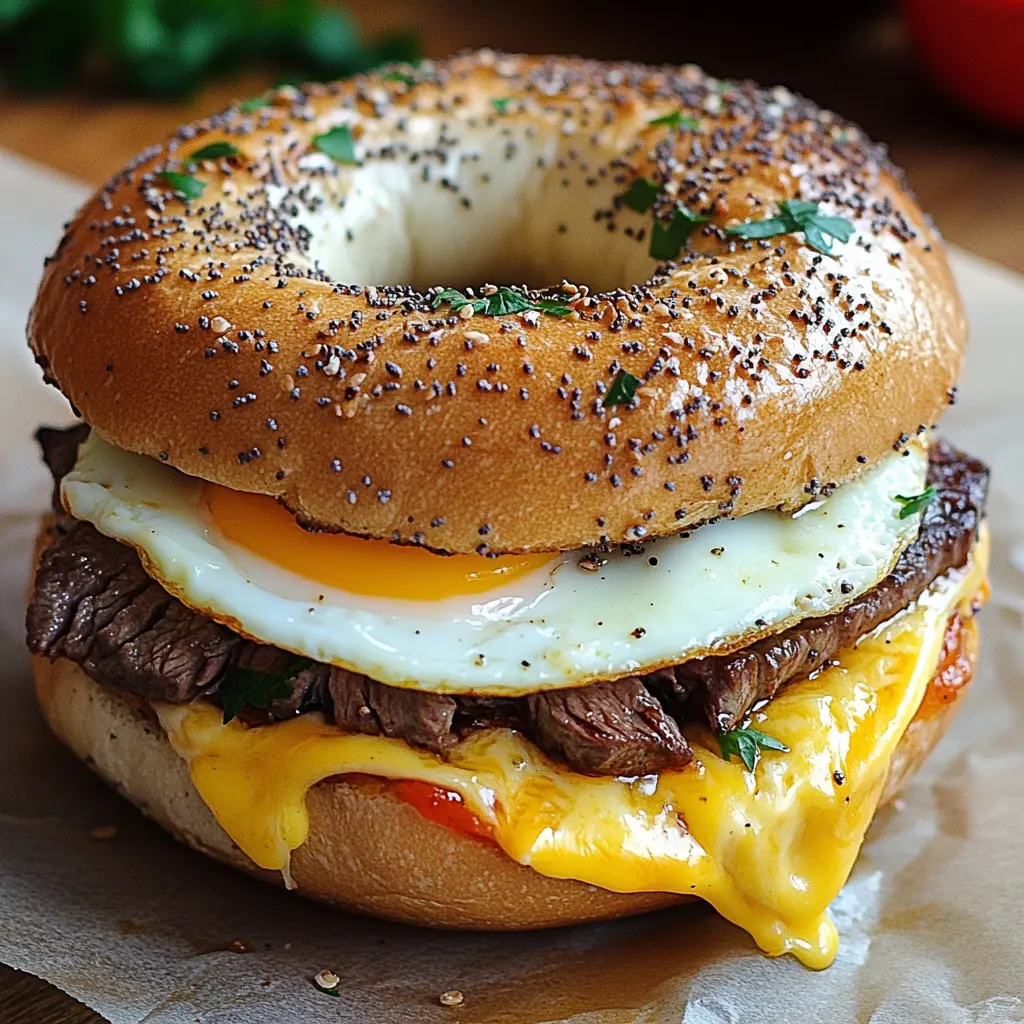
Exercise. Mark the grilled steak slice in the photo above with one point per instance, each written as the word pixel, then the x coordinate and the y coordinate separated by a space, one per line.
pixel 364 705
pixel 728 686
pixel 615 728
pixel 95 605
pixel 60 450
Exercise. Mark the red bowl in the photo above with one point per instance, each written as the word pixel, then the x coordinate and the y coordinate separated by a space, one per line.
pixel 975 51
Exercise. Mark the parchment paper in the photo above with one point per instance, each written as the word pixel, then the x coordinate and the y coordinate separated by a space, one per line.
pixel 136 926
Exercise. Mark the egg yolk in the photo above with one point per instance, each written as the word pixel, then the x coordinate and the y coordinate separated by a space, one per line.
pixel 374 568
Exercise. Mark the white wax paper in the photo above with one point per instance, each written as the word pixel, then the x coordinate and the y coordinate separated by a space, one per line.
pixel 135 925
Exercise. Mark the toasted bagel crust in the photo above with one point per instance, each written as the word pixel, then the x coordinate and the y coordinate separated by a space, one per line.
pixel 203 332
pixel 368 850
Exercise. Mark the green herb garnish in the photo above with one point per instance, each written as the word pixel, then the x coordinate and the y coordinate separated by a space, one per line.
pixel 668 239
pixel 338 144
pixel 184 184
pixel 747 744
pixel 501 105
pixel 916 502
pixel 399 76
pixel 640 195
pixel 622 389
pixel 252 104
pixel 249 688
pixel 504 301
pixel 214 151
pixel 677 119
pixel 794 216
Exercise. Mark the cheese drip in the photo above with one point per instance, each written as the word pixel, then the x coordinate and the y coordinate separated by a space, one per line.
pixel 769 850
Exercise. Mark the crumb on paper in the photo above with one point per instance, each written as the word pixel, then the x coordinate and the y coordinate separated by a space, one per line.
pixel 326 981
pixel 453 997
pixel 103 832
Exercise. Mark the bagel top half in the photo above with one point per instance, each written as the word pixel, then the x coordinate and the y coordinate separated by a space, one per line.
pixel 269 314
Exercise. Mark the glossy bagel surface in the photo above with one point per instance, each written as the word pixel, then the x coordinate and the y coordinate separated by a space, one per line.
pixel 422 304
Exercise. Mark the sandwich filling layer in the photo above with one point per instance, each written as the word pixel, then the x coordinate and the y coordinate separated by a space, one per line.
pixel 96 605
pixel 622 783
pixel 546 623
pixel 769 849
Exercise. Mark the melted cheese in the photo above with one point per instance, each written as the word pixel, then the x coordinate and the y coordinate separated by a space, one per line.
pixel 769 850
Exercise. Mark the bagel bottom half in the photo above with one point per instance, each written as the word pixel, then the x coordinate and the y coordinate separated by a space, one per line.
pixel 368 850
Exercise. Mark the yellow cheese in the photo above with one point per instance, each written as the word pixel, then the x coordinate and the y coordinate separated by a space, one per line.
pixel 769 849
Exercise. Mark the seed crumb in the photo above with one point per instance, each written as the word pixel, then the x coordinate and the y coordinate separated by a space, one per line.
pixel 453 997
pixel 326 980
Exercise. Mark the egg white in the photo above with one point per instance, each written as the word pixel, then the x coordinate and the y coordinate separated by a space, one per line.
pixel 714 589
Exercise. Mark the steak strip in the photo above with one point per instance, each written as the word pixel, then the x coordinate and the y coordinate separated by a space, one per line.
pixel 730 685
pixel 95 605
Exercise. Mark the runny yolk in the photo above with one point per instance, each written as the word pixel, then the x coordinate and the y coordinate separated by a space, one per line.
pixel 375 568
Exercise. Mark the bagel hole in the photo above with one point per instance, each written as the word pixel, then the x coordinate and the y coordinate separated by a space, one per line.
pixel 497 206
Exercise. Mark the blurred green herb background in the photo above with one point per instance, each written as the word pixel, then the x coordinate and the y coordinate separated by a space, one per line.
pixel 169 48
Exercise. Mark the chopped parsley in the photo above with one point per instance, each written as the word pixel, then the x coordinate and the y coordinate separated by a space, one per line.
pixel 503 302
pixel 747 744
pixel 794 216
pixel 405 77
pixel 214 151
pixel 677 119
pixel 249 688
pixel 338 144
pixel 252 104
pixel 622 389
pixel 668 239
pixel 916 502
pixel 640 195
pixel 501 104
pixel 184 184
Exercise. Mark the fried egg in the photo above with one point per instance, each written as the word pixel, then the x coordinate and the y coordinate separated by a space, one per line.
pixel 504 626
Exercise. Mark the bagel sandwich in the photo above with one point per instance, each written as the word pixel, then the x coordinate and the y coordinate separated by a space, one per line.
pixel 508 494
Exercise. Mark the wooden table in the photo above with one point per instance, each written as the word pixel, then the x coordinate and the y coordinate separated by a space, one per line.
pixel 970 177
